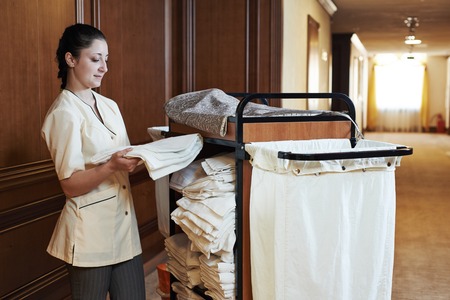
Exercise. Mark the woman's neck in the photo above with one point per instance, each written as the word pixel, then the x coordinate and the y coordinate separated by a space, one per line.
pixel 84 95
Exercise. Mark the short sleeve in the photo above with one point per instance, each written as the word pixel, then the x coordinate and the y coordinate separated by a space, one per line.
pixel 62 133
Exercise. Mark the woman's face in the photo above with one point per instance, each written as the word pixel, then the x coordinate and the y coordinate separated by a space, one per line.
pixel 91 66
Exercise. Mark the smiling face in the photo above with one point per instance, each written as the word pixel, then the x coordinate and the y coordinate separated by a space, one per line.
pixel 87 70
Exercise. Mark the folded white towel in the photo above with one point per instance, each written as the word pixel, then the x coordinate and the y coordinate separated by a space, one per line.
pixel 180 213
pixel 169 154
pixel 222 247
pixel 215 263
pixel 184 292
pixel 228 224
pixel 189 278
pixel 184 177
pixel 212 237
pixel 180 245
pixel 218 163
pixel 207 187
pixel 212 209
pixel 161 157
pixel 215 277
pixel 217 296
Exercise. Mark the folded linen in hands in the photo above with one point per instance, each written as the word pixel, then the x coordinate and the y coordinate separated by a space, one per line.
pixel 161 157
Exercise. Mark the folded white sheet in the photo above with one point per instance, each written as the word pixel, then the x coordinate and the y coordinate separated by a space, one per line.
pixel 212 209
pixel 184 177
pixel 217 278
pixel 195 171
pixel 189 277
pixel 161 157
pixel 217 295
pixel 184 292
pixel 180 246
pixel 214 263
pixel 219 163
pixel 216 235
pixel 223 246
pixel 180 213
pixel 206 187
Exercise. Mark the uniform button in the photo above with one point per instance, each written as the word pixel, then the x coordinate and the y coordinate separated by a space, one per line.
pixel 126 213
pixel 124 187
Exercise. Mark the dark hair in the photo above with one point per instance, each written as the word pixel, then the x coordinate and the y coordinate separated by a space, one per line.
pixel 74 39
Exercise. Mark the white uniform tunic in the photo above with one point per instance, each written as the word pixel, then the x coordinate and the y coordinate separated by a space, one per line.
pixel 98 228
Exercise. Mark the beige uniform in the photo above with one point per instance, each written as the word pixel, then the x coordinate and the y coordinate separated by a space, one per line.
pixel 98 228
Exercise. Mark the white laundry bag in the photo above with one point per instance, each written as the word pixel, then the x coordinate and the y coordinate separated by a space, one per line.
pixel 321 229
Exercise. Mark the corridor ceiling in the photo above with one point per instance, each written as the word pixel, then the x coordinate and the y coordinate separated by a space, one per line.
pixel 380 25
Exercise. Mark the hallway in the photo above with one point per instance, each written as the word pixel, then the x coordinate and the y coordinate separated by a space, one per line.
pixel 422 245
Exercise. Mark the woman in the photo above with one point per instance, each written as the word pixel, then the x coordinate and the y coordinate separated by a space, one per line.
pixel 97 233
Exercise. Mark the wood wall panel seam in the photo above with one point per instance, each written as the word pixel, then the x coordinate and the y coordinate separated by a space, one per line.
pixel 14 218
pixel 26 174
pixel 54 277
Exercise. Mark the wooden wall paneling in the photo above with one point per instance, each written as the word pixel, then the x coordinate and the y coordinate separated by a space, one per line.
pixel 231 45
pixel 265 43
pixel 18 84
pixel 256 20
pixel 31 202
pixel 137 67
pixel 24 255
pixel 276 48
pixel 220 45
pixel 29 189
pixel 24 72
pixel 265 47
pixel 185 24
pixel 54 16
pixel 177 45
pixel 22 185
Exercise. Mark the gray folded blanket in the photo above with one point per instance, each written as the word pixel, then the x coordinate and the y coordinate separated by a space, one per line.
pixel 208 110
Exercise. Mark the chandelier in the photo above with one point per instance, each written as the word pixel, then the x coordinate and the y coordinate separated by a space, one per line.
pixel 412 23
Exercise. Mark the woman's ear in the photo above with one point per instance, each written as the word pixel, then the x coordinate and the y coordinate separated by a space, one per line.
pixel 70 60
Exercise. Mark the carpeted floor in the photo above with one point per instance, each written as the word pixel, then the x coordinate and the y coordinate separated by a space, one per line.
pixel 422 244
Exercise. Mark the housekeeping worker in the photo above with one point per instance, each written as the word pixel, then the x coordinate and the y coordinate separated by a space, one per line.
pixel 97 232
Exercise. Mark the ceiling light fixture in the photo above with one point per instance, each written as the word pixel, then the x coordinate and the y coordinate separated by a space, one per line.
pixel 329 6
pixel 412 23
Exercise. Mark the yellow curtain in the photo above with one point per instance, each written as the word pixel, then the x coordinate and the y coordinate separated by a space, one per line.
pixel 424 108
pixel 371 102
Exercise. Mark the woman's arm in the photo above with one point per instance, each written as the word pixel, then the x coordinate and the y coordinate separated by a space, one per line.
pixel 82 182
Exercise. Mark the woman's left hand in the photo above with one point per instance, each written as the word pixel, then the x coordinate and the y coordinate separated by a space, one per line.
pixel 119 162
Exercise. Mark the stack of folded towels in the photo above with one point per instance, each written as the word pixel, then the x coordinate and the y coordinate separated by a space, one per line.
pixel 183 263
pixel 206 214
pixel 218 277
